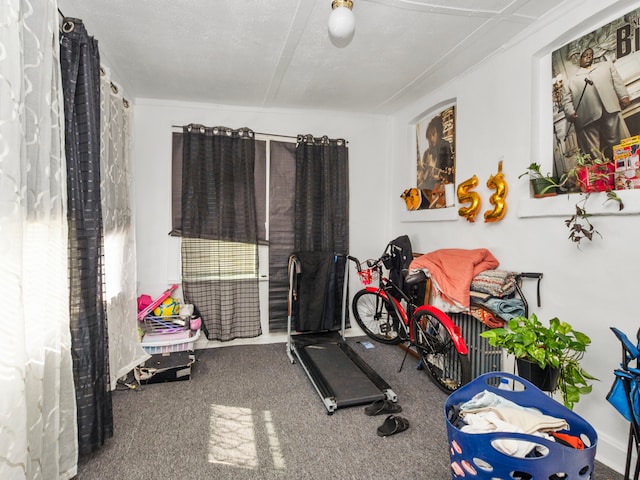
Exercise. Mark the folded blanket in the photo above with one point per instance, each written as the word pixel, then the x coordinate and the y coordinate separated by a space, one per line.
pixel 497 283
pixel 486 316
pixel 452 270
pixel 505 308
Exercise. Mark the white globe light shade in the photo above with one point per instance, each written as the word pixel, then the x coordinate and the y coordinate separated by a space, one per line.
pixel 341 23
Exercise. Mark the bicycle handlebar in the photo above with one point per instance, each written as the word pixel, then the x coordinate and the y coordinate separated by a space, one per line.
pixel 371 263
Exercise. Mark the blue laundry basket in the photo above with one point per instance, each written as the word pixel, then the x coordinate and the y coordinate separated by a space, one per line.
pixel 474 456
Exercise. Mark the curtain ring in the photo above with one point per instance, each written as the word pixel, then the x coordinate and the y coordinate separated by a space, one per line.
pixel 125 102
pixel 201 129
pixel 103 72
pixel 68 26
pixel 114 88
pixel 215 130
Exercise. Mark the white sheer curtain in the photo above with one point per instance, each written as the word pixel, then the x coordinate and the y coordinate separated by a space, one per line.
pixel 38 437
pixel 125 351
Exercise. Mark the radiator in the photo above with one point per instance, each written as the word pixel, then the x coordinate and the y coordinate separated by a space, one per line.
pixel 483 357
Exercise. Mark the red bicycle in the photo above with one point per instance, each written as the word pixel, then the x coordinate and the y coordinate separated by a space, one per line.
pixel 380 312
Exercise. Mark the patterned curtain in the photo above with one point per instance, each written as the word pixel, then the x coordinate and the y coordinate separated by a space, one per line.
pixel 219 230
pixel 321 226
pixel 322 195
pixel 125 351
pixel 38 408
pixel 80 66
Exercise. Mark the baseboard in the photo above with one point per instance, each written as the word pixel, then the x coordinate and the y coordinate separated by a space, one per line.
pixel 612 452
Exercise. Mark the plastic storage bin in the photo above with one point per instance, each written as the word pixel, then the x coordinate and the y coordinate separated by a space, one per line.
pixel 474 456
pixel 170 342
pixel 167 324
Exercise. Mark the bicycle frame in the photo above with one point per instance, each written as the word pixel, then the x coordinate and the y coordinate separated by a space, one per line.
pixel 454 331
pixel 402 313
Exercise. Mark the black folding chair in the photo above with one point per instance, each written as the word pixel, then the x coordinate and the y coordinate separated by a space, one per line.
pixel 625 396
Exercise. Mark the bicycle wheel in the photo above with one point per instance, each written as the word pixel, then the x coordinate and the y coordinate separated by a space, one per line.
pixel 448 368
pixel 376 317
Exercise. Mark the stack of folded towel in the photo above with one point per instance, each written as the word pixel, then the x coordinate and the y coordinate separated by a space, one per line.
pixel 493 289
pixel 497 283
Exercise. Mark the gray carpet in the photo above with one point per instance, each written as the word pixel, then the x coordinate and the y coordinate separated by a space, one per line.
pixel 247 412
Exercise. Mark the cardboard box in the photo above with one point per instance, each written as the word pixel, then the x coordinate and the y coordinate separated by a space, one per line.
pixel 626 158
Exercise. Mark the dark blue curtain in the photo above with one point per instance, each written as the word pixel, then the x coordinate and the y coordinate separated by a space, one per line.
pixel 80 65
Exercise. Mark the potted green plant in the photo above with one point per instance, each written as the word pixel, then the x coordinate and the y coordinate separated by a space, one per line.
pixel 542 185
pixel 557 346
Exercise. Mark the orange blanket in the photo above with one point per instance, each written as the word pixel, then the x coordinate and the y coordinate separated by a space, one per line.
pixel 452 269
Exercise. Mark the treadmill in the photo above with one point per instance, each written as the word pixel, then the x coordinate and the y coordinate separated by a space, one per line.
pixel 340 377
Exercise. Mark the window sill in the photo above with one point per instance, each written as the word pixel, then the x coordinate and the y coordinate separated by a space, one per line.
pixel 564 205
pixel 432 215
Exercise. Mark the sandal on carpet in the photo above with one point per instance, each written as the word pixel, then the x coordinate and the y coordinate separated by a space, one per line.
pixel 382 406
pixel 392 425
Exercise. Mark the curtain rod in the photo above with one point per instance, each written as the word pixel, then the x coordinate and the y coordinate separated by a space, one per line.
pixel 276 135
pixel 295 137
pixel 257 133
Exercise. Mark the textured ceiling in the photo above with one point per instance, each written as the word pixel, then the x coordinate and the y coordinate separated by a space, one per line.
pixel 278 54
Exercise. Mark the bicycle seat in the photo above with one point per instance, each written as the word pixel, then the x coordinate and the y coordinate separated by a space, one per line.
pixel 412 278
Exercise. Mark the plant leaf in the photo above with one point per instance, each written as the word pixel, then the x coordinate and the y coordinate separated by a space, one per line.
pixel 582 338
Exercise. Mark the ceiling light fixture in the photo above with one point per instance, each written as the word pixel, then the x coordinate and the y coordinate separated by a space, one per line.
pixel 341 21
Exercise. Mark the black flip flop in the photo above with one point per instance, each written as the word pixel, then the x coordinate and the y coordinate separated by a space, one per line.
pixel 393 425
pixel 382 406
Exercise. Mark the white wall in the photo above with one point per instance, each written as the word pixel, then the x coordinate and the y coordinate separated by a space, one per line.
pixel 499 105
pixel 498 117
pixel 159 255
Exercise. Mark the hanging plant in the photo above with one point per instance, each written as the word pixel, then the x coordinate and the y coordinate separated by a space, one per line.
pixel 579 225
pixel 590 174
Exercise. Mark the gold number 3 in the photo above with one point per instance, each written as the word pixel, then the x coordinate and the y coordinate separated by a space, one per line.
pixel 497 183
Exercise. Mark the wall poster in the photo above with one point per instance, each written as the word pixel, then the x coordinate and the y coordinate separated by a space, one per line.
pixel 435 141
pixel 596 99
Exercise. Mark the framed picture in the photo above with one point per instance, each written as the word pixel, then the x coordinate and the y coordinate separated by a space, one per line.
pixel 596 97
pixel 436 154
